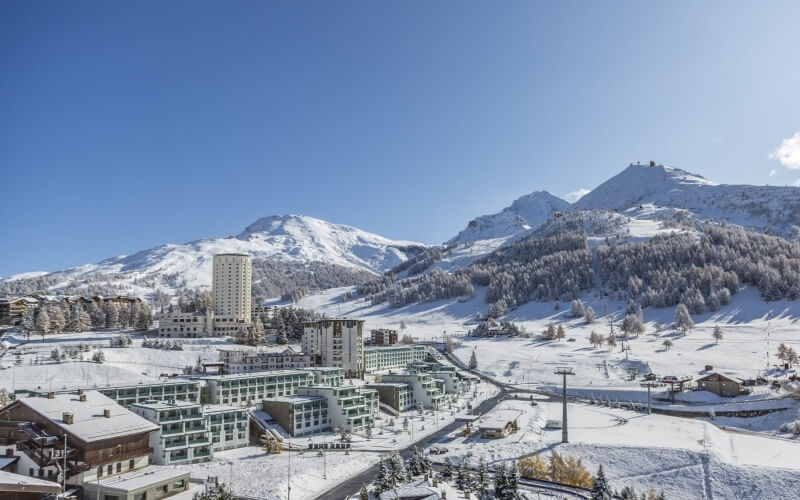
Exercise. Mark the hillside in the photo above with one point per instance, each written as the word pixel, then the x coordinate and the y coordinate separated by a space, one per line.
pixel 288 251
pixel 768 209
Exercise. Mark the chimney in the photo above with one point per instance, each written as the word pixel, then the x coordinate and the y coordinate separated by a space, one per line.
pixel 82 397
pixel 51 395
pixel 80 392
pixel 107 412
pixel 67 417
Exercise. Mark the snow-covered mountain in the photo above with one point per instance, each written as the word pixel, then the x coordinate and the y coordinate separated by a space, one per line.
pixel 294 241
pixel 764 208
pixel 523 214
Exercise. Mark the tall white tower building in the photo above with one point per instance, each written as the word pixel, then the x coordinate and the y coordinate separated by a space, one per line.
pixel 231 281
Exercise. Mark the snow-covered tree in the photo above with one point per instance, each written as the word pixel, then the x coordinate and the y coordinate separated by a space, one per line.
pixel 683 321
pixel 632 325
pixel 577 309
pixel 667 344
pixel 112 315
pixel 99 357
pixel 43 321
pixel 560 333
pixel 588 317
pixel 473 361
pixel 611 341
pixel 58 320
pixel 363 494
pixel 600 488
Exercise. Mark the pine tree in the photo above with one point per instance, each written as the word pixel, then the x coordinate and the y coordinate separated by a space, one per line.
pixel 27 324
pixel 501 481
pixel 482 483
pixel 99 357
pixel 112 315
pixel 600 488
pixel 384 481
pixel 447 468
pixel 627 493
pixel 560 333
pixel 464 481
pixel 397 469
pixel 473 361
pixel 58 320
pixel 363 494
pixel 611 341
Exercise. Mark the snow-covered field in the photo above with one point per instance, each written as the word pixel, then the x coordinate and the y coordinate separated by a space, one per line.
pixel 686 458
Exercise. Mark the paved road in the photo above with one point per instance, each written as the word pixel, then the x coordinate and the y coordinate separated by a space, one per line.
pixel 352 485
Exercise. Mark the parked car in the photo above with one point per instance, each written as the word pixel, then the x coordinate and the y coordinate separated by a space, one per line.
pixel 553 424
pixel 670 379
pixel 437 450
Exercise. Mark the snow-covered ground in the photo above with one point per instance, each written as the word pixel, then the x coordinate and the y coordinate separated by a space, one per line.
pixel 686 458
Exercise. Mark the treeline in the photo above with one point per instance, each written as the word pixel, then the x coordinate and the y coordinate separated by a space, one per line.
pixel 62 317
pixel 700 269
pixel 288 322
pixel 292 282
pixel 422 260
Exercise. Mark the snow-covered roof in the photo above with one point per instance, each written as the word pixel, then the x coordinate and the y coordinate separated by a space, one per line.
pixel 498 419
pixel 295 398
pixel 18 482
pixel 410 492
pixel 220 408
pixel 89 422
pixel 164 405
pixel 6 461
pixel 718 377
pixel 142 478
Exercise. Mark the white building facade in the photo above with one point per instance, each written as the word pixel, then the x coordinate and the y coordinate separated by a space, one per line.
pixel 231 282
pixel 336 342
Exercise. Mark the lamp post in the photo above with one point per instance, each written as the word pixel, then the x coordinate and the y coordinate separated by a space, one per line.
pixel 564 371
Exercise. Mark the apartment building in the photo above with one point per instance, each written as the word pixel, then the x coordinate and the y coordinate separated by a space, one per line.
pixel 182 436
pixel 229 426
pixel 448 375
pixel 392 357
pixel 383 336
pixel 231 282
pixel 426 389
pixel 350 407
pixel 168 390
pixel 245 361
pixel 265 313
pixel 248 389
pixel 397 395
pixel 12 309
pixel 336 342
pixel 326 375
pixel 299 415
pixel 186 325
pixel 102 438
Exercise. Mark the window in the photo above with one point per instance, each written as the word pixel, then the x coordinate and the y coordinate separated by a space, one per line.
pixel 119 467
pixel 161 489
pixel 130 463
pixel 180 483
pixel 100 471
pixel 110 468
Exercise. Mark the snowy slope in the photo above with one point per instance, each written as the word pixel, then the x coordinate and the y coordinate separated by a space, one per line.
pixel 774 209
pixel 292 239
pixel 523 214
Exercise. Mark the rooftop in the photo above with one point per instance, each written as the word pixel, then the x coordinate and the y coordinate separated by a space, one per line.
pixel 166 405
pixel 18 482
pixel 221 408
pixel 89 422
pixel 265 373
pixel 497 419
pixel 296 398
pixel 142 478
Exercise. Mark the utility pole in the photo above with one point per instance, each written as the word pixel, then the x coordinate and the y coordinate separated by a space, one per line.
pixel 564 371
pixel 289 475
pixel 64 472
pixel 649 386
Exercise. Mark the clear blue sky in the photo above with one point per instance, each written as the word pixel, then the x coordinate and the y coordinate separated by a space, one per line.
pixel 124 125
